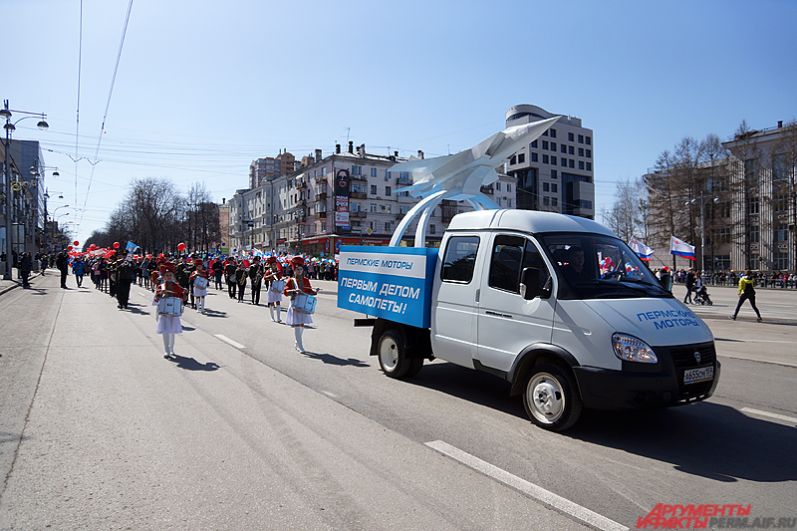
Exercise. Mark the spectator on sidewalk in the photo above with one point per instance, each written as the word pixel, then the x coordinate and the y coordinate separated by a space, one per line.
pixel 62 263
pixel 747 292
pixel 25 267
pixel 690 286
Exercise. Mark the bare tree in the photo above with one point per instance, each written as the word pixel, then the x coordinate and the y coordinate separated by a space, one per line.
pixel 626 216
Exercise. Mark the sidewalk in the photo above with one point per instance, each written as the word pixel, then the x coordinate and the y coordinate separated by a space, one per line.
pixel 8 285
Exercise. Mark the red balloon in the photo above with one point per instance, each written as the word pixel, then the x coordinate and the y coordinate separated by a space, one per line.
pixel 75 243
pixel 115 245
pixel 68 247
pixel 181 246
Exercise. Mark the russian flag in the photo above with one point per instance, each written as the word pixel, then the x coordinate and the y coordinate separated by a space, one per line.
pixel 642 251
pixel 679 247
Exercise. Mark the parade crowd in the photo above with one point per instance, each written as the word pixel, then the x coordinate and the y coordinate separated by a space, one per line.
pixel 182 280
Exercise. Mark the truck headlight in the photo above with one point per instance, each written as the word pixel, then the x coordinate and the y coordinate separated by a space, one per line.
pixel 630 348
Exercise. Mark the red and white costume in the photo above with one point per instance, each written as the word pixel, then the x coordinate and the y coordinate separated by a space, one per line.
pixel 296 317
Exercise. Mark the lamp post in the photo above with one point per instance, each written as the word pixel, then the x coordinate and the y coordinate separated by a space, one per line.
pixel 9 126
pixel 701 202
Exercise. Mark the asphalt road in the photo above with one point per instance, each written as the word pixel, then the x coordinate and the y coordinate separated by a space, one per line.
pixel 98 430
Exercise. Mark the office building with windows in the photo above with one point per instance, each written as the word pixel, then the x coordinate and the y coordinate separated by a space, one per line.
pixel 763 214
pixel 555 172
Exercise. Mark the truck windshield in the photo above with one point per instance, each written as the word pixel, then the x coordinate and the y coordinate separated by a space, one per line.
pixel 591 266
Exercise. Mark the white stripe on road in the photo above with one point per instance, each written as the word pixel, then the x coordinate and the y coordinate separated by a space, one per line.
pixel 531 490
pixel 229 341
pixel 777 416
pixel 329 394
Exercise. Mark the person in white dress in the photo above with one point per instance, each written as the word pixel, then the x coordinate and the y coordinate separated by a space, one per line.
pixel 297 285
pixel 169 324
pixel 199 281
pixel 276 284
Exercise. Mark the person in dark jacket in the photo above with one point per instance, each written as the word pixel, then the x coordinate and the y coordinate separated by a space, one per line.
pixel 62 263
pixel 125 276
pixel 25 267
pixel 230 274
pixel 218 271
pixel 690 286
pixel 256 278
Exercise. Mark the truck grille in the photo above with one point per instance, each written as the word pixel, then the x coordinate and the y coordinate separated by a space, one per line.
pixel 684 357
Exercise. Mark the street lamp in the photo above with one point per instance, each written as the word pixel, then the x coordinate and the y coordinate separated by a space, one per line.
pixel 700 200
pixel 9 126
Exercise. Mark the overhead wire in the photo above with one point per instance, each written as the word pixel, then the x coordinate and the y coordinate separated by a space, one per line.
pixel 77 111
pixel 108 104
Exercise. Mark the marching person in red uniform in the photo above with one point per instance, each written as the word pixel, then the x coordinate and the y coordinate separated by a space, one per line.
pixel 169 324
pixel 273 278
pixel 297 285
pixel 199 281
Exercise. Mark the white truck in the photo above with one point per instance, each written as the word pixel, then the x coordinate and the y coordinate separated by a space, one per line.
pixel 556 305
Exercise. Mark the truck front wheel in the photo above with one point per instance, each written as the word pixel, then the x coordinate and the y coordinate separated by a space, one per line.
pixel 551 398
pixel 393 357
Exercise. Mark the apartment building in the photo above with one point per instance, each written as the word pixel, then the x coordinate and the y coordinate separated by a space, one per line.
pixel 349 197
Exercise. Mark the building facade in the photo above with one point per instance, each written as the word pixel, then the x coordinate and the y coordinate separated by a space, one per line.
pixel 739 211
pixel 266 168
pixel 28 199
pixel 349 197
pixel 555 172
pixel 763 217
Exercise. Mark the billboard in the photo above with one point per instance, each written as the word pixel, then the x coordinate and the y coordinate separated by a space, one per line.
pixel 393 283
pixel 342 189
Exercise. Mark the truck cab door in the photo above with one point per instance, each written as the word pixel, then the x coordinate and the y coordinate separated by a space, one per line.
pixel 507 322
pixel 454 300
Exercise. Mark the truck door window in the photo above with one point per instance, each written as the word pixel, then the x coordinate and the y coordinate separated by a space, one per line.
pixel 533 258
pixel 459 259
pixel 505 264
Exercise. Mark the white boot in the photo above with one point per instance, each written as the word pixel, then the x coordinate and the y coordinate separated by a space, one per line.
pixel 278 309
pixel 171 344
pixel 297 333
pixel 166 348
pixel 271 313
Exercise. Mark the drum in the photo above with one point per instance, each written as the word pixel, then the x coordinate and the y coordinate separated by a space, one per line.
pixel 172 306
pixel 305 303
pixel 277 285
pixel 201 282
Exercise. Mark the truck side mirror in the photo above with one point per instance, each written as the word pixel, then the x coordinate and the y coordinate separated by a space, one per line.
pixel 530 283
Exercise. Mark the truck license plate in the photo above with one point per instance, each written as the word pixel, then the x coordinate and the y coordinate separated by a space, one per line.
pixel 701 374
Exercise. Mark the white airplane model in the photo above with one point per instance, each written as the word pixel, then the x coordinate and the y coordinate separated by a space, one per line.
pixel 459 177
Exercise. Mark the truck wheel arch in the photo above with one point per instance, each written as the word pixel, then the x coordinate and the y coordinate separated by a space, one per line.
pixel 529 357
pixel 418 340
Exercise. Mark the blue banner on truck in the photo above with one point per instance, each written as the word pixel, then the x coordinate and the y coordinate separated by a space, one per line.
pixel 393 283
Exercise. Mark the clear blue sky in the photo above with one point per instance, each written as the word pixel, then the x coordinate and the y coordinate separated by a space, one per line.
pixel 204 87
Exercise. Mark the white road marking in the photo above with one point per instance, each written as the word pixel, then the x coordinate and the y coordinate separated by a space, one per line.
pixel 329 394
pixel 531 490
pixel 777 416
pixel 144 293
pixel 229 341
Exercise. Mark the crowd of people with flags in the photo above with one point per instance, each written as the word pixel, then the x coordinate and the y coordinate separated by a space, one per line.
pixel 182 279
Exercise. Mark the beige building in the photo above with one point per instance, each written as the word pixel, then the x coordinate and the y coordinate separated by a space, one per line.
pixel 764 214
pixel 348 197
pixel 739 211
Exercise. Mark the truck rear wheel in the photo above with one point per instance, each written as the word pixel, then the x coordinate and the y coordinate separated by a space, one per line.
pixel 551 398
pixel 393 357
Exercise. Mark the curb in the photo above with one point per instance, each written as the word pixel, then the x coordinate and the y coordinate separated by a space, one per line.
pixel 17 284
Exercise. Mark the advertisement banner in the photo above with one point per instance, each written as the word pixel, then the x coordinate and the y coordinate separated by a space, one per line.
pixel 342 189
pixel 393 283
